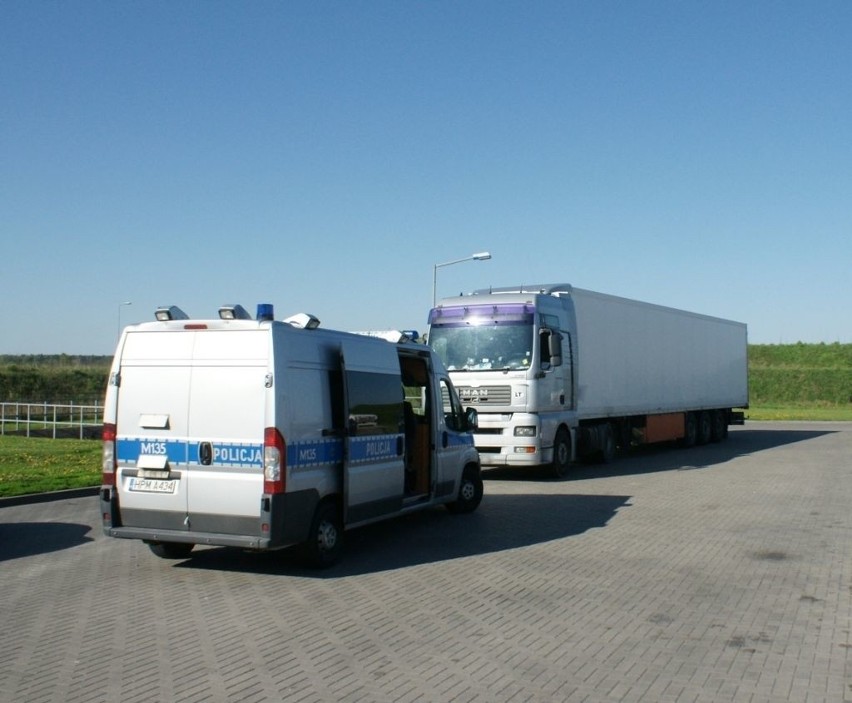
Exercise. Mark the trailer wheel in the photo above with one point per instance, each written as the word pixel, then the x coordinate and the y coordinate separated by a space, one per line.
pixel 171 550
pixel 690 430
pixel 705 428
pixel 324 545
pixel 561 464
pixel 608 448
pixel 470 491
pixel 719 426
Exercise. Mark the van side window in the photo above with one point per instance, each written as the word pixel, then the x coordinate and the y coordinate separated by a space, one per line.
pixel 453 415
pixel 375 403
pixel 335 385
pixel 415 385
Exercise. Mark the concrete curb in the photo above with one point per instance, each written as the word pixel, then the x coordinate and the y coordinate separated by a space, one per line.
pixel 47 497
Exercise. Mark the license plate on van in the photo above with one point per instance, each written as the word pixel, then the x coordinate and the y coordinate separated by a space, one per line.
pixel 151 485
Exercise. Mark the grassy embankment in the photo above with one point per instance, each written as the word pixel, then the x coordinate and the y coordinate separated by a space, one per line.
pixel 787 382
pixel 800 382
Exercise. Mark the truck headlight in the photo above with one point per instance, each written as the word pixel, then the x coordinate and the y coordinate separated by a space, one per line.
pixel 525 431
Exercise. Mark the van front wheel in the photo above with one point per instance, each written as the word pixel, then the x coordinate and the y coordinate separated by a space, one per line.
pixel 324 546
pixel 470 491
pixel 171 550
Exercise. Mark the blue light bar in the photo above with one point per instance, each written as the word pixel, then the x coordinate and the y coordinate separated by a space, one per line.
pixel 265 311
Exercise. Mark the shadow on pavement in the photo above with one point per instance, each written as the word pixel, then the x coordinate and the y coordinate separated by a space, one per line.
pixel 25 539
pixel 502 522
pixel 662 457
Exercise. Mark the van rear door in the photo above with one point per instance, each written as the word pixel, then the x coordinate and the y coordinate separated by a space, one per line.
pixel 151 425
pixel 191 407
pixel 374 469
pixel 227 402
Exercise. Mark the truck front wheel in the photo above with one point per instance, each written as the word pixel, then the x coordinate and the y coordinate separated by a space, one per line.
pixel 561 463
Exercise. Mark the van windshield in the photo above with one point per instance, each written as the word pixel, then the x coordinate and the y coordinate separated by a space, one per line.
pixel 491 345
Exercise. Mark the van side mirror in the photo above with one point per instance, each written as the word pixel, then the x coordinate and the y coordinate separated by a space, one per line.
pixel 471 417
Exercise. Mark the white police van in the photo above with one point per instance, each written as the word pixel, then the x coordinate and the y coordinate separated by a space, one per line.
pixel 262 434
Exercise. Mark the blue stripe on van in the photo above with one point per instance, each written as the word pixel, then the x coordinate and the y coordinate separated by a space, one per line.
pixel 304 454
pixel 240 454
pixel 129 450
pixel 314 452
pixel 180 452
pixel 455 439
pixel 372 448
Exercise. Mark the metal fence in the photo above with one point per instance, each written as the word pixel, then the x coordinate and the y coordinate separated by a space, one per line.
pixel 51 420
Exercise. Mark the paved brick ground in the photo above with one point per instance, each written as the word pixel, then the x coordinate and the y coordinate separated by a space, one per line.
pixel 721 573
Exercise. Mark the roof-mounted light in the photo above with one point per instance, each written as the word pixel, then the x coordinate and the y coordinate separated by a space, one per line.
pixel 303 320
pixel 234 312
pixel 265 311
pixel 170 312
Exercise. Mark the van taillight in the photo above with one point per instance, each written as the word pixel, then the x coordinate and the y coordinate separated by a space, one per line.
pixel 274 461
pixel 108 460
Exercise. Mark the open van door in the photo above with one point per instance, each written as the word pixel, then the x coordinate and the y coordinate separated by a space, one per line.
pixel 374 444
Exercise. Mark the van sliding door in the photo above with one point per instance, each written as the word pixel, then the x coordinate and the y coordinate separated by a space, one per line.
pixel 374 469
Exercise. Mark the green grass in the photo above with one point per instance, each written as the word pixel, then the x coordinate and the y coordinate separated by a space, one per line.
pixel 36 465
pixel 800 381
pixel 800 412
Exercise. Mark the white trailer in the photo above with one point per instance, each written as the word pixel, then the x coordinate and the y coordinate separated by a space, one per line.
pixel 558 372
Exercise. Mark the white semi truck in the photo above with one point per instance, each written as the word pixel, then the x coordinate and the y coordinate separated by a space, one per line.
pixel 558 373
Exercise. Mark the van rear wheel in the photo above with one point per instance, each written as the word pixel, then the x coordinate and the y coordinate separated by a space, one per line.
pixel 324 546
pixel 171 550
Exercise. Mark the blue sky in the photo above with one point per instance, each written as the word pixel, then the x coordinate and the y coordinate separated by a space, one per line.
pixel 323 156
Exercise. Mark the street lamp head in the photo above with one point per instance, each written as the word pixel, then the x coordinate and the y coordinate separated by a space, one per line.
pixel 481 256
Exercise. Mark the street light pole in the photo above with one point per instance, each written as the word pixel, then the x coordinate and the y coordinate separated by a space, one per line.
pixel 121 305
pixel 481 256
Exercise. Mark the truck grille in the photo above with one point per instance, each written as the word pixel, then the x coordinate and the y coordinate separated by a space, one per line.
pixel 485 395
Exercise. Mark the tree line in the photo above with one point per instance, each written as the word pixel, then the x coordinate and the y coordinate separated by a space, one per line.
pixel 59 378
pixel 788 373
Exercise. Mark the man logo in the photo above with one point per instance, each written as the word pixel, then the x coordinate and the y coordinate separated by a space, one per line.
pixel 473 395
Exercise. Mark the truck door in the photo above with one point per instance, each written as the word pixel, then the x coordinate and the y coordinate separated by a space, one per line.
pixel 374 466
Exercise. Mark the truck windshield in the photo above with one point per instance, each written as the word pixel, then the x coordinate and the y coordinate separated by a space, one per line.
pixel 491 345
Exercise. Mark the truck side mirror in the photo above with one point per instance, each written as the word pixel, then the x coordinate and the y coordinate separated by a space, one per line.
pixel 471 417
pixel 551 348
pixel 554 346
